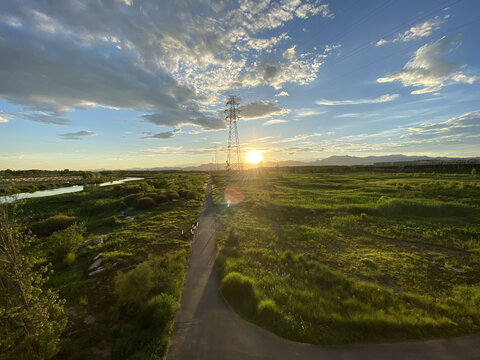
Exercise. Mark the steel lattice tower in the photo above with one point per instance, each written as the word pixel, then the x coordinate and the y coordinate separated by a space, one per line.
pixel 234 159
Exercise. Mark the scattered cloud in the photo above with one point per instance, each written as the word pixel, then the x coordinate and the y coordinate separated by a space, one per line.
pixel 3 119
pixel 309 112
pixel 380 99
pixel 42 117
pixel 77 135
pixel 260 110
pixel 274 121
pixel 381 42
pixel 291 68
pixel 162 135
pixel 464 128
pixel 347 115
pixel 418 31
pixel 283 93
pixel 162 150
pixel 430 69
pixel 296 138
pixel 166 64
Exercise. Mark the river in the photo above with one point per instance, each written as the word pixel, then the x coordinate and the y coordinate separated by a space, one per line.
pixel 59 191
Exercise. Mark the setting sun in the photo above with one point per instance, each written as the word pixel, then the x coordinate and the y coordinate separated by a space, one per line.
pixel 254 156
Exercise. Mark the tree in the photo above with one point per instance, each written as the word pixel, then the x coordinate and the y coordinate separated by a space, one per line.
pixel 31 317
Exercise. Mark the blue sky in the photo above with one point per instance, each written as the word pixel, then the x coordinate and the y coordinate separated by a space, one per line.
pixel 127 83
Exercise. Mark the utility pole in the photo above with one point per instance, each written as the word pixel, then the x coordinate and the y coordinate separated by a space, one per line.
pixel 234 159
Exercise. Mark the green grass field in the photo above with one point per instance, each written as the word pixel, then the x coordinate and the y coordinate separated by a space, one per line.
pixel 330 258
pixel 126 311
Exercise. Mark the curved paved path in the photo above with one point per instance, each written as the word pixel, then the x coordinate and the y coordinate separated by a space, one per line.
pixel 206 328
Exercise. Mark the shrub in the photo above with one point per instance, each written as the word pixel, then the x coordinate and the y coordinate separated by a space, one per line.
pixel 239 290
pixel 268 313
pixel 67 240
pixel 133 287
pixel 55 223
pixel 188 194
pixel 145 203
pixel 131 200
pixel 69 259
pixel 133 189
pixel 159 311
pixel 172 195
pixel 161 198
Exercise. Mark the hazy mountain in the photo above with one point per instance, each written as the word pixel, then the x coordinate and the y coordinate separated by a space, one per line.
pixel 329 161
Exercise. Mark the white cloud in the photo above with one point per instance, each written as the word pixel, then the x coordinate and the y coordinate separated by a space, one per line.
pixel 430 69
pixel 283 93
pixel 380 99
pixel 309 112
pixel 274 121
pixel 3 119
pixel 418 31
pixel 464 128
pixel 381 42
pixel 296 138
pixel 77 135
pixel 114 54
pixel 161 150
pixel 347 115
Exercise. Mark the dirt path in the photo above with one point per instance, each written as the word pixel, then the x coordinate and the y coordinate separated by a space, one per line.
pixel 206 328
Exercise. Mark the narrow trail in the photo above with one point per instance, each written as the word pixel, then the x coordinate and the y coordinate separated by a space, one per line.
pixel 206 328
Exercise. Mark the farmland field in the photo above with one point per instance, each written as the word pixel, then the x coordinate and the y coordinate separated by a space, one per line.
pixel 126 308
pixel 329 258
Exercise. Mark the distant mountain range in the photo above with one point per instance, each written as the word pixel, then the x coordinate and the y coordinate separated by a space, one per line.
pixel 329 161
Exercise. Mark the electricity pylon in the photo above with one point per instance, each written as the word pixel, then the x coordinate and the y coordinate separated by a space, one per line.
pixel 234 159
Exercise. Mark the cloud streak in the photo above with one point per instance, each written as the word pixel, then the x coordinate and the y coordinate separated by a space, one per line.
pixel 77 135
pixel 381 99
pixel 163 135
pixel 418 31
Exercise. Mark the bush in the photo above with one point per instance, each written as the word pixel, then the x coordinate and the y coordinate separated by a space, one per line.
pixel 69 259
pixel 55 223
pixel 133 189
pixel 133 287
pixel 161 198
pixel 172 195
pixel 67 240
pixel 159 311
pixel 239 290
pixel 188 194
pixel 131 200
pixel 268 313
pixel 145 203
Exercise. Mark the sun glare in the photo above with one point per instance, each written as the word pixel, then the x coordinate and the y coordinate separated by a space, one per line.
pixel 254 156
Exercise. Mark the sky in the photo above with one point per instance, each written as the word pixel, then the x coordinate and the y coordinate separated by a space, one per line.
pixel 119 84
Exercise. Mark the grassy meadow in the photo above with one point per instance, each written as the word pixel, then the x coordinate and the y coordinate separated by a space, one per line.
pixel 330 258
pixel 125 311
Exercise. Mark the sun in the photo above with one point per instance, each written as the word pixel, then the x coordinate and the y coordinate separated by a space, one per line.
pixel 254 156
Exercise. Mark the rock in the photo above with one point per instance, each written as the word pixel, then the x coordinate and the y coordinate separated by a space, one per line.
pixel 85 244
pixel 95 264
pixel 129 217
pixel 456 270
pixel 98 271
pixel 99 240
pixel 89 319
pixel 99 255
